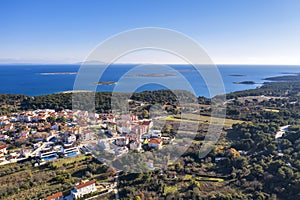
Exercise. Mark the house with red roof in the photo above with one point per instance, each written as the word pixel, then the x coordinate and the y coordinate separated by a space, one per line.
pixel 155 143
pixel 83 187
pixel 147 123
pixel 3 149
pixel 56 196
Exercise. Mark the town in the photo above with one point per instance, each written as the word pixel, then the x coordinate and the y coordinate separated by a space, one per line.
pixel 50 154
pixel 45 135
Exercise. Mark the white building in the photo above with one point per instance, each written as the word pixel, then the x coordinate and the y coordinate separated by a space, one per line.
pixel 135 146
pixel 154 134
pixel 122 141
pixel 2 157
pixel 70 150
pixel 70 138
pixel 3 149
pixel 83 187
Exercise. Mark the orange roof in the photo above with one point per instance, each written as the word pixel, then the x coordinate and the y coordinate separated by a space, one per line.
pixel 54 196
pixel 155 141
pixel 82 185
pixel 22 138
pixel 2 147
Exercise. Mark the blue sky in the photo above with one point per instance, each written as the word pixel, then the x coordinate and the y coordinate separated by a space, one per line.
pixel 231 31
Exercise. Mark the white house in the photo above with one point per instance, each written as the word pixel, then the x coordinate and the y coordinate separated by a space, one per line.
pixel 3 137
pixel 154 134
pixel 124 128
pixel 28 118
pixel 122 141
pixel 135 146
pixel 2 157
pixel 88 135
pixel 83 187
pixel 3 149
pixel 70 138
pixel 70 150
pixel 150 164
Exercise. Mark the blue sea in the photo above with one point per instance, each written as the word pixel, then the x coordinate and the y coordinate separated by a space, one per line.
pixel 36 80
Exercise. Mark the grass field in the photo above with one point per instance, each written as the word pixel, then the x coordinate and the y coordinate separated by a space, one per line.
pixel 170 189
pixel 65 161
pixel 195 118
pixel 200 178
pixel 271 110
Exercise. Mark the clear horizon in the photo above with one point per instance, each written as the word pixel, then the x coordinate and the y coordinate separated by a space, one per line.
pixel 249 32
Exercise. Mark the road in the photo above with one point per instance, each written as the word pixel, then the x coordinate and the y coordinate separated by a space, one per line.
pixel 281 131
pixel 116 185
pixel 278 136
pixel 12 161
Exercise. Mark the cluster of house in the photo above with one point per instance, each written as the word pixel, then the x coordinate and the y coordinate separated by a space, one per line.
pixel 51 133
pixel 81 189
pixel 130 133
pixel 68 132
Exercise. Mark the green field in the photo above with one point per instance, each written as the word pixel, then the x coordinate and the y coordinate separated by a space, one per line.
pixel 194 118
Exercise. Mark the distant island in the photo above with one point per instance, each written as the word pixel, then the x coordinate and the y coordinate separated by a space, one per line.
pixel 105 83
pixel 58 73
pixel 289 73
pixel 149 75
pixel 185 70
pixel 246 82
pixel 237 75
pixel 289 78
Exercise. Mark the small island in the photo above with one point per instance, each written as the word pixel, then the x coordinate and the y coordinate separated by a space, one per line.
pixel 58 73
pixel 246 82
pixel 149 75
pixel 105 83
pixel 237 75
pixel 289 73
pixel 185 70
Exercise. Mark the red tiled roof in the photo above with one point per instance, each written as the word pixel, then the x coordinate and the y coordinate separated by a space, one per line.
pixel 2 147
pixel 54 196
pixel 22 138
pixel 147 123
pixel 155 141
pixel 82 185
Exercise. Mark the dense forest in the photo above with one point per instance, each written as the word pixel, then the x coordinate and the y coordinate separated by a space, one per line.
pixel 10 102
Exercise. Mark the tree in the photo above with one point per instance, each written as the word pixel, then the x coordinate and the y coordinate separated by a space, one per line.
pixel 240 162
pixel 137 198
pixel 145 113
